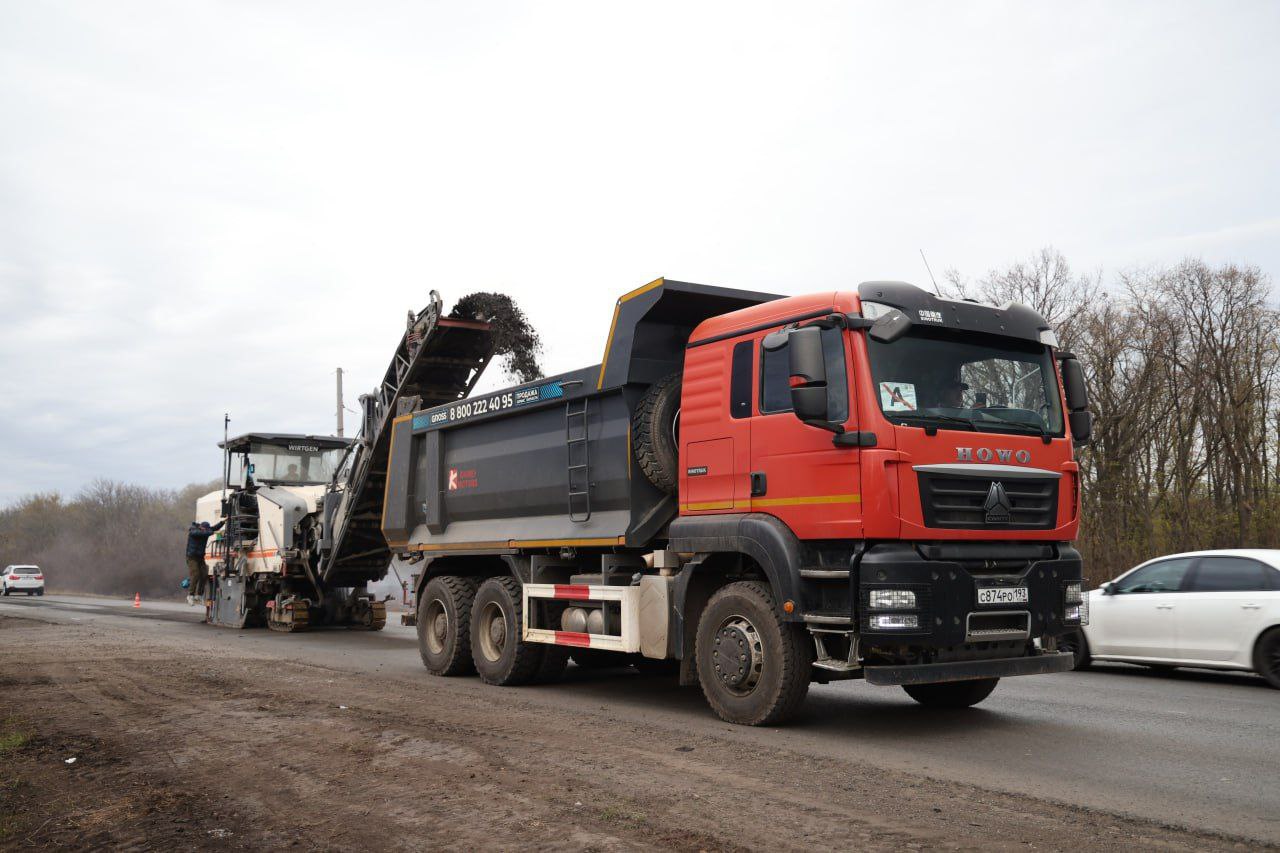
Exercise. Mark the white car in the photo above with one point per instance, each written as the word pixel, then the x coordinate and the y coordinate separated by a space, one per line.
pixel 28 579
pixel 1210 609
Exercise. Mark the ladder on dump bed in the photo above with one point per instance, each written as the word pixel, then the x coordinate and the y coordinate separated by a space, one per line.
pixel 578 446
pixel 439 360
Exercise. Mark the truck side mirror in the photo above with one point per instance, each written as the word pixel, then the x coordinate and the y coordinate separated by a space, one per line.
pixel 806 361
pixel 1080 419
pixel 1081 427
pixel 1073 385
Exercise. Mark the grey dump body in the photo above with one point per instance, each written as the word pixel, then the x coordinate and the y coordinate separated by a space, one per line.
pixel 550 463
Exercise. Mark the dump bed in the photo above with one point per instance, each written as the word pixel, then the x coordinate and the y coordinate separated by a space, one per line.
pixel 549 464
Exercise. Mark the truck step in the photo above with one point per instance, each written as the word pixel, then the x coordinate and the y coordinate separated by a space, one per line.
pixel 835 620
pixel 825 574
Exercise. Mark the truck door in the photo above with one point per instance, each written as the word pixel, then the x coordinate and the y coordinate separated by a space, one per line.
pixel 796 473
pixel 717 452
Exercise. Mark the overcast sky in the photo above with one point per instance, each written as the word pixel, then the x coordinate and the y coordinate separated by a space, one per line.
pixel 207 207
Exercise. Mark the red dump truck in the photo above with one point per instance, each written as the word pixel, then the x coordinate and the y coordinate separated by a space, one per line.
pixel 765 491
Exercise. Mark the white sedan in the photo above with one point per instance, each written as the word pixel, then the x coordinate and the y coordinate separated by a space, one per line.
pixel 1211 609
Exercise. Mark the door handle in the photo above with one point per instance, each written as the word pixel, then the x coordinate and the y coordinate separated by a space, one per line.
pixel 1250 606
pixel 1164 607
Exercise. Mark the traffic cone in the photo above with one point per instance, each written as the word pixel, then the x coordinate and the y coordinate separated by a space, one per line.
pixel 137 599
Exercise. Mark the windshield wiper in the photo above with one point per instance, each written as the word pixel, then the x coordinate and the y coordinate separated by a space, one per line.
pixel 946 419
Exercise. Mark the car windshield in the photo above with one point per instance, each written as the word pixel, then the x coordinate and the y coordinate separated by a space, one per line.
pixel 957 381
pixel 293 463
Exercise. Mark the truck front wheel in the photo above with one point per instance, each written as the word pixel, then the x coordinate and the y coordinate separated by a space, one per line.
pixel 444 624
pixel 501 656
pixel 952 694
pixel 753 666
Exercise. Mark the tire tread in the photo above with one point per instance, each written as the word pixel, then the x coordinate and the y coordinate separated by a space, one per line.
pixel 463 592
pixel 794 666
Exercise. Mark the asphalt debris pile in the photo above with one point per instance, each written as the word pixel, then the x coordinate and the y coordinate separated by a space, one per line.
pixel 515 338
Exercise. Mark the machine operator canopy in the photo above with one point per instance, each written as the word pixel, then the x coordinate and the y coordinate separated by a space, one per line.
pixel 283 458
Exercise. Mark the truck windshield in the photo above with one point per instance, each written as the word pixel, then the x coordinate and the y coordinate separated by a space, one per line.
pixel 958 381
pixel 298 464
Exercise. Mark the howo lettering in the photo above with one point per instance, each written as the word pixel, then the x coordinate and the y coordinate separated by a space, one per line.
pixel 763 492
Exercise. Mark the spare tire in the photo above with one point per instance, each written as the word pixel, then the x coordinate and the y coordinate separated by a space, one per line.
pixel 654 430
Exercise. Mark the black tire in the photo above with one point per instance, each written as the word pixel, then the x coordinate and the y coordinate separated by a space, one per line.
pixel 6 592
pixel 1078 645
pixel 444 625
pixel 500 656
pixel 554 661
pixel 771 683
pixel 952 694
pixel 30 593
pixel 653 432
pixel 1266 657
pixel 40 593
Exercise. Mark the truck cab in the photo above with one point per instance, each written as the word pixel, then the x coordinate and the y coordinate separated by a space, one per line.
pixel 912 459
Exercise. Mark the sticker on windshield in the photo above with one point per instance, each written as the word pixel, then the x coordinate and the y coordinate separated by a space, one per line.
pixel 897 397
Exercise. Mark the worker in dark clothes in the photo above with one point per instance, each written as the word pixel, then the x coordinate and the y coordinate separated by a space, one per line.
pixel 197 536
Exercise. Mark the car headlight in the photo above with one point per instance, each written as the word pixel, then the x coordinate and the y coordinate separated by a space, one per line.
pixel 895 621
pixel 891 599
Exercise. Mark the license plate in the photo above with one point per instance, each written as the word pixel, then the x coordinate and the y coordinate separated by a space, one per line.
pixel 1002 595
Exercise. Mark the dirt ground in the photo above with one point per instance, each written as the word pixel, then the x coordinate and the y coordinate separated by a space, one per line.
pixel 250 752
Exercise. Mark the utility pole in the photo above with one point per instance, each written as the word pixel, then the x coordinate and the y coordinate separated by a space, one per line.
pixel 339 402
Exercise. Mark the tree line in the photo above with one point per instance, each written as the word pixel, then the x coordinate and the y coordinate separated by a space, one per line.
pixel 1182 364
pixel 111 538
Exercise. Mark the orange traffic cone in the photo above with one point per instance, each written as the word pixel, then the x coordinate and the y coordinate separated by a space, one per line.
pixel 137 599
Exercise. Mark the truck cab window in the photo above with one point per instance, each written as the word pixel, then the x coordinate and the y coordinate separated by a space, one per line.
pixel 775 378
pixel 991 383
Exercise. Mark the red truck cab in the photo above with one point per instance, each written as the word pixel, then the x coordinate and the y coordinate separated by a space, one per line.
pixel 910 461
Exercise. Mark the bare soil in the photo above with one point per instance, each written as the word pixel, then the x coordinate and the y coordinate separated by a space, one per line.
pixel 249 752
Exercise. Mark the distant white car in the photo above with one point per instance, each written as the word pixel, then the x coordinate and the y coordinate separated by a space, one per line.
pixel 1209 609
pixel 28 579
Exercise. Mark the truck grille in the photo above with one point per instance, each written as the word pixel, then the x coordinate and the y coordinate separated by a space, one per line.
pixel 956 502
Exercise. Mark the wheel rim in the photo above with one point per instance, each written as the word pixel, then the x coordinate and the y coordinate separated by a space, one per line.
pixel 493 631
pixel 738 655
pixel 436 622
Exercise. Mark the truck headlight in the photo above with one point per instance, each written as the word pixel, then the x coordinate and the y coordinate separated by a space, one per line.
pixel 1076 607
pixel 891 599
pixel 895 621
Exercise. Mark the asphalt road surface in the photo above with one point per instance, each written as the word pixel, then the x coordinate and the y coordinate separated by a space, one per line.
pixel 1189 749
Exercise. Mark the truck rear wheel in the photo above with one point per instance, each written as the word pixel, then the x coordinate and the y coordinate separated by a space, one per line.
pixel 754 667
pixel 444 625
pixel 501 656
pixel 952 694
pixel 653 431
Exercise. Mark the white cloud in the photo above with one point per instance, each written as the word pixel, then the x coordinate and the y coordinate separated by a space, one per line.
pixel 209 206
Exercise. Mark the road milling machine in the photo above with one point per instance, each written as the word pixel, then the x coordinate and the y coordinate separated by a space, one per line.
pixel 302 536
